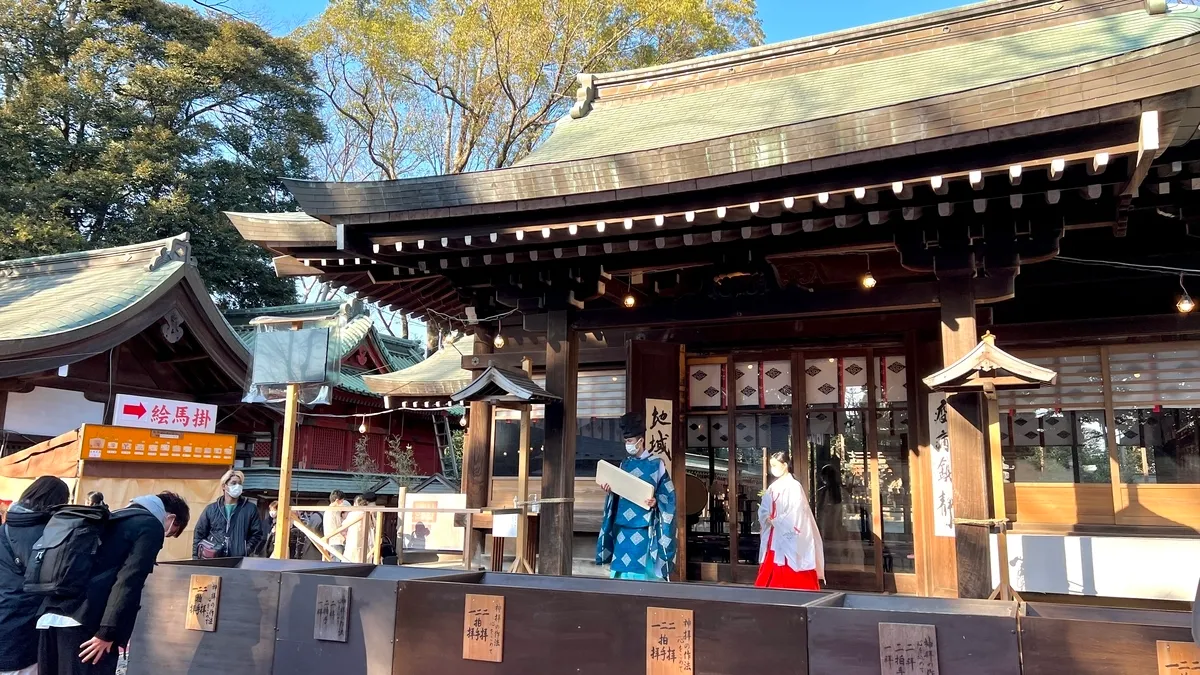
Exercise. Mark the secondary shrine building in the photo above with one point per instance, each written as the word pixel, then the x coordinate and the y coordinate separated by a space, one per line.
pixel 782 242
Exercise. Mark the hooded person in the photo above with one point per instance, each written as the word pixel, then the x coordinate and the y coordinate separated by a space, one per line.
pixel 638 540
pixel 791 554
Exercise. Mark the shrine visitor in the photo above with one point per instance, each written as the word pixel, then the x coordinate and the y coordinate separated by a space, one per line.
pixel 639 539
pixel 81 635
pixel 229 527
pixel 790 554
pixel 360 535
pixel 333 522
pixel 18 609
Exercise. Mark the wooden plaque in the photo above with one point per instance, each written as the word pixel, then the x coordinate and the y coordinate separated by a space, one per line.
pixel 1178 658
pixel 670 641
pixel 908 649
pixel 332 621
pixel 483 628
pixel 204 595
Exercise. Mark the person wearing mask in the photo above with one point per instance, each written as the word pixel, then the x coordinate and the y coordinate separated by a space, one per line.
pixel 333 522
pixel 639 539
pixel 81 635
pixel 791 554
pixel 267 548
pixel 18 609
pixel 229 527
pixel 360 535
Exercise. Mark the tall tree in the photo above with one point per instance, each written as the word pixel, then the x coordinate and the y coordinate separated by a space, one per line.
pixel 127 120
pixel 444 86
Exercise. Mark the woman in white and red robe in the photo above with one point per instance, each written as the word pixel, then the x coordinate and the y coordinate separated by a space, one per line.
pixel 791 554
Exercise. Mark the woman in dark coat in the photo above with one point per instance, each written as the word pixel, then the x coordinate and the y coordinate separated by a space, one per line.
pixel 231 525
pixel 19 610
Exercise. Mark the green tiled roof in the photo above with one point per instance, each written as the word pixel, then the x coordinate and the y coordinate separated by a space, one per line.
pixel 53 295
pixel 669 120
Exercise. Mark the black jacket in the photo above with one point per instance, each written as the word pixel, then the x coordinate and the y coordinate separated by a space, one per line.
pixel 129 546
pixel 243 531
pixel 18 610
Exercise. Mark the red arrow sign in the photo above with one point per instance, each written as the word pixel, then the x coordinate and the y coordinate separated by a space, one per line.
pixel 135 410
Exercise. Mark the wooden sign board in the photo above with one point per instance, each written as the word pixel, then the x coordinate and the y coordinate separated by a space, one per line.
pixel 332 622
pixel 670 641
pixel 483 628
pixel 660 430
pixel 908 649
pixel 204 595
pixel 1178 658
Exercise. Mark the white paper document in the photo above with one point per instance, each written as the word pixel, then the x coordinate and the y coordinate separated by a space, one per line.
pixel 623 483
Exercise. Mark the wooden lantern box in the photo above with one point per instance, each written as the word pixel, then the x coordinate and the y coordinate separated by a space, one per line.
pixel 242 638
pixel 973 637
pixel 590 625
pixel 1101 640
pixel 364 645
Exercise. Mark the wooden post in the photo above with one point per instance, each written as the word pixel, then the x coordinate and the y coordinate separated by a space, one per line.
pixel 557 518
pixel 522 564
pixel 477 452
pixel 377 548
pixel 403 492
pixel 996 466
pixel 965 429
pixel 283 520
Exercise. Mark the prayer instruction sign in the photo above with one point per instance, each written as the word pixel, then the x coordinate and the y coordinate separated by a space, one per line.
pixel 483 628
pixel 660 418
pixel 908 649
pixel 670 641
pixel 1178 658
pixel 943 485
pixel 204 595
pixel 332 621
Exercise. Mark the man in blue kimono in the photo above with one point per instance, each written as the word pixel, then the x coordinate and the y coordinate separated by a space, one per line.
pixel 639 539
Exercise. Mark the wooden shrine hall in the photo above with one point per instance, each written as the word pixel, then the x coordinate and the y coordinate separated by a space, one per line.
pixel 783 241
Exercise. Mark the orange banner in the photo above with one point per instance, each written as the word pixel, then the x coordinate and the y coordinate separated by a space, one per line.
pixel 126 444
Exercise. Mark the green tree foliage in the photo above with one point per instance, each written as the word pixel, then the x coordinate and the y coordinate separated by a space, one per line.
pixel 444 86
pixel 123 121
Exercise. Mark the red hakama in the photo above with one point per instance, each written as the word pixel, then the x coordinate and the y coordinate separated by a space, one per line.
pixel 774 575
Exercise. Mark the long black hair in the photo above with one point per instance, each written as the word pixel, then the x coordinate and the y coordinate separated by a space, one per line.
pixel 45 493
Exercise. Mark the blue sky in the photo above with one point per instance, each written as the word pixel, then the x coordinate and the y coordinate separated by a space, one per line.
pixel 781 19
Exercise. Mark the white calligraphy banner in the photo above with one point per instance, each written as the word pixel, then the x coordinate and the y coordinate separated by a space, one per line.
pixel 943 485
pixel 660 418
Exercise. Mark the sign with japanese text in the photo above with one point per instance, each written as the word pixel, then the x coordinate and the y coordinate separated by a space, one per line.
pixel 161 413
pixel 939 466
pixel 660 418
pixel 123 444
pixel 670 641
pixel 204 596
pixel 908 649
pixel 483 628
pixel 332 620
pixel 1178 658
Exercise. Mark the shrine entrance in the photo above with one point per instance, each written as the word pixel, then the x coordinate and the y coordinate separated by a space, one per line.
pixel 842 418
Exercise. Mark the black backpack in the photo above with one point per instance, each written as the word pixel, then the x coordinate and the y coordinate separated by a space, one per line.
pixel 60 563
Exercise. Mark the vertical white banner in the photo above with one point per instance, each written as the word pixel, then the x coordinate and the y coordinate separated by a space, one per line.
pixel 660 417
pixel 939 466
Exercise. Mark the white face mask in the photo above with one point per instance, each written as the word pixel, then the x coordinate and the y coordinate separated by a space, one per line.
pixel 778 471
pixel 234 490
pixel 631 447
pixel 273 514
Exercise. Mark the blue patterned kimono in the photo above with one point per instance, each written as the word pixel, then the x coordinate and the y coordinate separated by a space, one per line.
pixel 640 542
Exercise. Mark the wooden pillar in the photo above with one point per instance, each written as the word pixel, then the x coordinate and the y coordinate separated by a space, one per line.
pixel 557 518
pixel 966 434
pixel 477 452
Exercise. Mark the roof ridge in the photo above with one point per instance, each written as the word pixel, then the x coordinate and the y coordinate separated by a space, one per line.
pixel 176 248
pixel 306 307
pixel 811 42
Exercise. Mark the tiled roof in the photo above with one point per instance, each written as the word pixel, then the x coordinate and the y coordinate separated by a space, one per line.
pixel 45 298
pixel 667 120
pixel 440 375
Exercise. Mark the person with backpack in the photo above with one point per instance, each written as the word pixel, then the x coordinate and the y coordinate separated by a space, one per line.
pixel 229 527
pixel 92 566
pixel 18 609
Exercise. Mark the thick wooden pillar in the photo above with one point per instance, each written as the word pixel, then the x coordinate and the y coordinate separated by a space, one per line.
pixel 557 518
pixel 477 451
pixel 964 424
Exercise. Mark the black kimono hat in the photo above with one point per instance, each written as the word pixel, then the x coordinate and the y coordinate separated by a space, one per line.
pixel 633 425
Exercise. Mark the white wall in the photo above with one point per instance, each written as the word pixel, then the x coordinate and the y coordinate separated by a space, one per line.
pixel 50 412
pixel 1119 567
